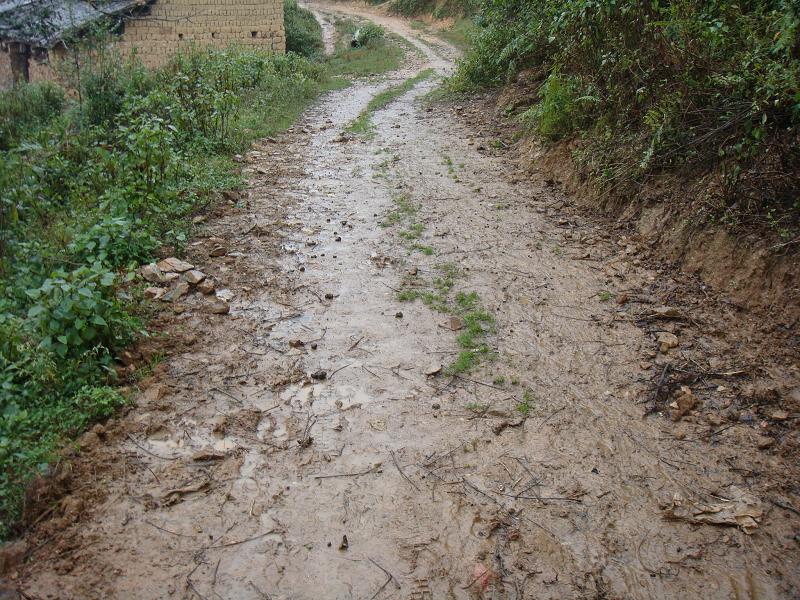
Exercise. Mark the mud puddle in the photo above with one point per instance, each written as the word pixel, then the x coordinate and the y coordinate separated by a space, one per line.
pixel 311 444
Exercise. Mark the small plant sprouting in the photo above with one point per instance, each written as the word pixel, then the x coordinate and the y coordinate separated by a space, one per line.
pixel 605 296
pixel 524 407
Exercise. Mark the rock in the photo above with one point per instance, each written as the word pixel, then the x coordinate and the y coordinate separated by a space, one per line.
pixel 193 276
pixel 152 273
pixel 714 419
pixel 225 295
pixel 398 314
pixel 180 290
pixel 747 416
pixel 206 286
pixel 455 323
pixel 88 440
pixel 174 265
pixel 154 293
pixel 685 402
pixel 764 441
pixel 11 556
pixel 436 406
pixel 666 341
pixel 319 375
pixel 199 219
pixel 231 195
pixel 779 415
pixel 329 296
pixel 218 250
pixel 219 307
pixel 433 369
pixel 296 343
pixel 127 358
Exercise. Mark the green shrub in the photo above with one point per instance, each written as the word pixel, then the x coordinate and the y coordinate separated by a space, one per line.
pixel 303 32
pixel 91 188
pixel 25 107
pixel 657 85
pixel 439 9
pixel 370 34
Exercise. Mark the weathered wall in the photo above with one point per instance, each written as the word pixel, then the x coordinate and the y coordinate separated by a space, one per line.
pixel 175 24
pixel 6 77
pixel 172 24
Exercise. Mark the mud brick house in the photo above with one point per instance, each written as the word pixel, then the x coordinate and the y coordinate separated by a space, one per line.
pixel 34 33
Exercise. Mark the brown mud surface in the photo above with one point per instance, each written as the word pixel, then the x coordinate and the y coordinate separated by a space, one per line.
pixel 552 470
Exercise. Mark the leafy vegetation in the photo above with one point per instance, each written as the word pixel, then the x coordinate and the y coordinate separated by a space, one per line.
pixel 98 181
pixel 303 31
pixel 439 9
pixel 379 54
pixel 659 85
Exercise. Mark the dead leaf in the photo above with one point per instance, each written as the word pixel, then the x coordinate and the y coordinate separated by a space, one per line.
pixel 742 510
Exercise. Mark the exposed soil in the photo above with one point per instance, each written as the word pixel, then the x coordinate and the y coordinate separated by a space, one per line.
pixel 556 469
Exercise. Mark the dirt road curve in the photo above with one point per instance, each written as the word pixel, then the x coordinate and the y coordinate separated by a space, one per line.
pixel 239 475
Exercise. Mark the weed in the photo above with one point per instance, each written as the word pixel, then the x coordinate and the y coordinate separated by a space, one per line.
pixel 605 296
pixel 466 361
pixel 499 380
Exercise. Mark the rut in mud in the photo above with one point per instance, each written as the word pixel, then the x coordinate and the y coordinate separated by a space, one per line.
pixel 313 444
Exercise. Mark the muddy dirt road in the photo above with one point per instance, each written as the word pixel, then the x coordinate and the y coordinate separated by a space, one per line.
pixel 313 443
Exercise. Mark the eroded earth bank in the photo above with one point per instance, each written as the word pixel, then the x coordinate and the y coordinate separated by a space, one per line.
pixel 431 384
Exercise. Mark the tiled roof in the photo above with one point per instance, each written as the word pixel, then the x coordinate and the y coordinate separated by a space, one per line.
pixel 44 22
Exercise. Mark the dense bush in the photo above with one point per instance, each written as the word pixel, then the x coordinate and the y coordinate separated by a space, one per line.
pixel 87 194
pixel 439 9
pixel 303 32
pixel 654 85
pixel 370 34
pixel 26 107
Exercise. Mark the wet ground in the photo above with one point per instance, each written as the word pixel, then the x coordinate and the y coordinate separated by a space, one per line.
pixel 313 443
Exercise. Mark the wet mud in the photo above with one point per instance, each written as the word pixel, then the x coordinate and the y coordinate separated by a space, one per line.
pixel 311 443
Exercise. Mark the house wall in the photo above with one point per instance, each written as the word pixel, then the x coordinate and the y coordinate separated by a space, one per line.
pixel 6 77
pixel 173 24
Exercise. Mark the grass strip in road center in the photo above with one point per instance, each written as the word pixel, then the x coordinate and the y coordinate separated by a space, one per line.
pixel 363 123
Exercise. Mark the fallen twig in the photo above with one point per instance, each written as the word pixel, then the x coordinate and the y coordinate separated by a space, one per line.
pixel 367 472
pixel 396 464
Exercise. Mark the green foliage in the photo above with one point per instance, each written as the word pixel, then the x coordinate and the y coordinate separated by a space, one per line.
pixel 370 34
pixel 378 56
pixel 88 191
pixel 303 32
pixel 26 107
pixel 657 85
pixel 439 9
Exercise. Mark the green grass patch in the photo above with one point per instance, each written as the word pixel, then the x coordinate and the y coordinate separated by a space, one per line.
pixel 379 55
pixel 524 407
pixel 363 123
